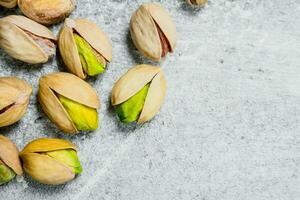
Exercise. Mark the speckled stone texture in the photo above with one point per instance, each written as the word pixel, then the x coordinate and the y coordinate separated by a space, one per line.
pixel 230 125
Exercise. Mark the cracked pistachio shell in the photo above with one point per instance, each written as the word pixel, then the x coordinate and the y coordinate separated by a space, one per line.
pixel 47 12
pixel 9 155
pixel 197 2
pixel 92 34
pixel 44 168
pixel 71 87
pixel 16 41
pixel 136 79
pixel 153 31
pixel 14 99
pixel 8 3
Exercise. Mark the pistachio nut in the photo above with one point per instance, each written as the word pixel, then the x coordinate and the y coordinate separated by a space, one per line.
pixel 8 3
pixel 69 102
pixel 14 99
pixel 51 161
pixel 10 164
pixel 197 2
pixel 84 47
pixel 153 31
pixel 138 95
pixel 26 40
pixel 47 12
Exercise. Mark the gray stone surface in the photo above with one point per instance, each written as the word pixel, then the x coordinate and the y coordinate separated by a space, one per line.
pixel 230 125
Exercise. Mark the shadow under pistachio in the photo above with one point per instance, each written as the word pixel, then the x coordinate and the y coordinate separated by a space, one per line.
pixel 36 187
pixel 17 65
pixel 95 79
pixel 60 63
pixel 9 11
pixel 10 129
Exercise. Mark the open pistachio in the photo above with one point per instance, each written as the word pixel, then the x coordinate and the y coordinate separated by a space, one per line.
pixel 26 40
pixel 8 3
pixel 84 47
pixel 153 31
pixel 197 2
pixel 47 11
pixel 51 161
pixel 14 99
pixel 10 164
pixel 138 95
pixel 69 102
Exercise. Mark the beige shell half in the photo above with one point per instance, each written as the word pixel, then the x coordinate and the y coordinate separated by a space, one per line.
pixel 8 3
pixel 197 2
pixel 18 44
pixel 91 33
pixel 47 144
pixel 133 81
pixel 14 99
pixel 47 11
pixel 144 32
pixel 36 164
pixel 9 154
pixel 69 86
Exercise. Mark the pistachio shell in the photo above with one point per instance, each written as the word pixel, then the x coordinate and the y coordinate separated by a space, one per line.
pixel 133 81
pixel 72 87
pixel 69 52
pixel 147 42
pixel 163 19
pixel 68 86
pixel 197 2
pixel 47 11
pixel 91 33
pixel 54 109
pixel 14 99
pixel 152 30
pixel 47 144
pixel 8 3
pixel 19 45
pixel 46 169
pixel 9 155
pixel 45 160
pixel 30 26
pixel 155 98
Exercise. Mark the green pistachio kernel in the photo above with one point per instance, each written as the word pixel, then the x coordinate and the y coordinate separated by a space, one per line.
pixel 84 117
pixel 68 157
pixel 6 174
pixel 130 110
pixel 89 61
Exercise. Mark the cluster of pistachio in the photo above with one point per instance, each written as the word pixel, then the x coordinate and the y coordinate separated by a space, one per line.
pixel 85 49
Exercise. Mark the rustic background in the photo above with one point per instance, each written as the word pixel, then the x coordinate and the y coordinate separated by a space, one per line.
pixel 230 125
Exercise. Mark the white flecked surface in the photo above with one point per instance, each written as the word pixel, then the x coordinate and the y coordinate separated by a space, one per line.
pixel 230 125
